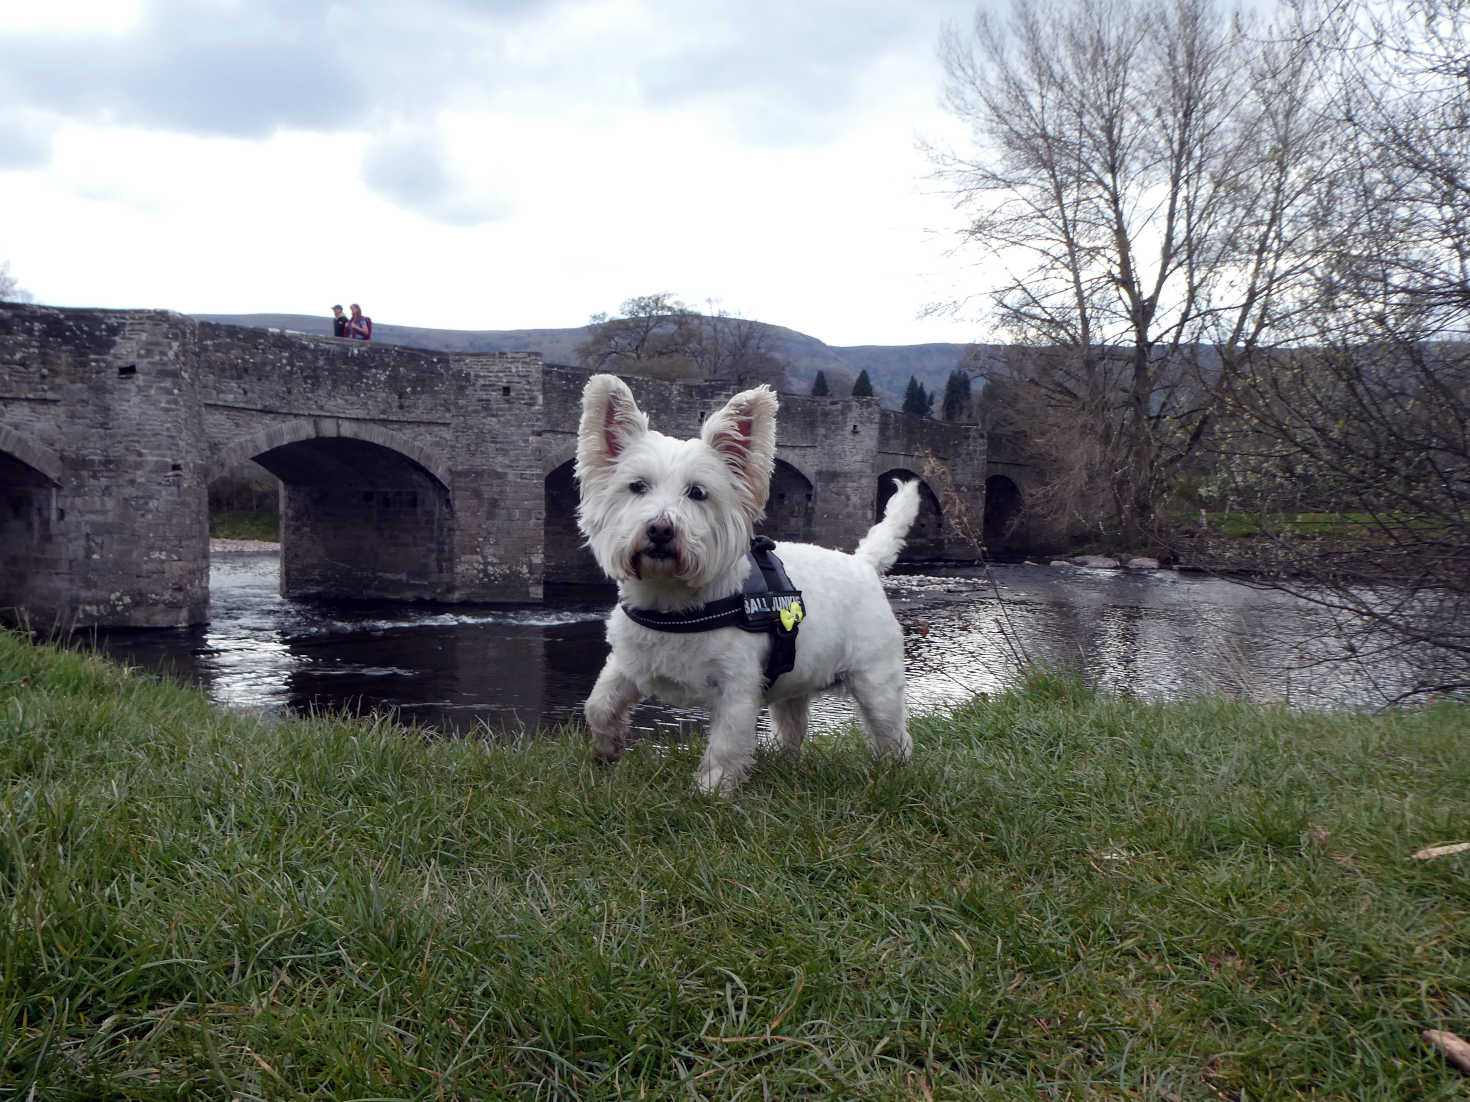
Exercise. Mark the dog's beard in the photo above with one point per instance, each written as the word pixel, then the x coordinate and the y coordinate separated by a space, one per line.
pixel 643 562
pixel 655 563
pixel 704 550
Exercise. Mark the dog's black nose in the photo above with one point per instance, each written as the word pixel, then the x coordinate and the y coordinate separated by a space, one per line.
pixel 660 532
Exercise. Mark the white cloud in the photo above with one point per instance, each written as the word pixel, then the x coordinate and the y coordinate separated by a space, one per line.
pixel 108 16
pixel 415 170
pixel 458 163
pixel 25 139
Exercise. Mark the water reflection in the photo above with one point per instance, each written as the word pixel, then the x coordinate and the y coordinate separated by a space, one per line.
pixel 505 670
pixel 1161 635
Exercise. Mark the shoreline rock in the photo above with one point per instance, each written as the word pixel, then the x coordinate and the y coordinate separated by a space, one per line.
pixel 222 545
pixel 1141 564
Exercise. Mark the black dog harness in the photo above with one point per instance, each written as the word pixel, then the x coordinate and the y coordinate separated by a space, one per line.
pixel 769 604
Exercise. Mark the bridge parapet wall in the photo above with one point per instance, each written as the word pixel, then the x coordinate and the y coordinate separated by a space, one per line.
pixel 406 473
pixel 254 379
pixel 456 517
pixel 829 442
pixel 957 452
pixel 496 469
pixel 118 533
pixel 838 445
pixel 674 409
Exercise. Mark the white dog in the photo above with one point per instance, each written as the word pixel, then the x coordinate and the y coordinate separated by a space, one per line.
pixel 671 522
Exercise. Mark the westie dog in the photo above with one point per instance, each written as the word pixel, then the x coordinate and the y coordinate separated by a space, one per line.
pixel 671 522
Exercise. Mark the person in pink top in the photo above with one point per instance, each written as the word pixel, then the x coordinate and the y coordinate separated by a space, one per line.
pixel 359 325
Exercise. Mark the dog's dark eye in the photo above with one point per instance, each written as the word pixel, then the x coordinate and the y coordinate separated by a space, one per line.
pixel 697 493
pixel 638 486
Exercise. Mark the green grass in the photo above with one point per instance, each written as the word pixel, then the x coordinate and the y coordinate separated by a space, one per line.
pixel 245 525
pixel 1064 895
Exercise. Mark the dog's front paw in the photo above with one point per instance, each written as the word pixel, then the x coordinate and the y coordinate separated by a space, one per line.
pixel 609 745
pixel 709 779
pixel 714 779
pixel 609 732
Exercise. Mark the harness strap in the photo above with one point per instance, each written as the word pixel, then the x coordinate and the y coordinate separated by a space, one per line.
pixel 728 612
pixel 783 612
pixel 768 604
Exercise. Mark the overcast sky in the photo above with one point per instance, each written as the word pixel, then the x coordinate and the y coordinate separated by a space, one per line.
pixel 482 164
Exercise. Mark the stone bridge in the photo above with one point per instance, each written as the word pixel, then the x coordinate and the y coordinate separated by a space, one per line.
pixel 404 474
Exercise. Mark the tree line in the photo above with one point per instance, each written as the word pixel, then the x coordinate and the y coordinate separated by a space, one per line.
pixel 662 337
pixel 1231 257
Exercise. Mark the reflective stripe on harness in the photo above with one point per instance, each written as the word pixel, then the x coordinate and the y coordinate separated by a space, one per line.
pixel 768 604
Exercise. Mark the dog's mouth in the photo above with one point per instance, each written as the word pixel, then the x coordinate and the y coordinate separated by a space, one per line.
pixel 659 560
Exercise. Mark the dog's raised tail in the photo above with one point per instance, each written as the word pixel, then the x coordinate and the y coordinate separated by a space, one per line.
pixel 886 538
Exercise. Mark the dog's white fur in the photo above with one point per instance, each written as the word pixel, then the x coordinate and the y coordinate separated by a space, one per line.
pixel 670 521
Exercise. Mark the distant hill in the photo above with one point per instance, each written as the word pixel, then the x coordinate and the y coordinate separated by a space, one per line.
pixel 556 346
pixel 888 366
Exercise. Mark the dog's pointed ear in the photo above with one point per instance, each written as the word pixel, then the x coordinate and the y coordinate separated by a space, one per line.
pixel 611 422
pixel 743 433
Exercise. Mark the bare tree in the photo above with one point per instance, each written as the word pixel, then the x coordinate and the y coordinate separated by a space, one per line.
pixel 1398 228
pixel 1138 177
pixel 738 350
pixel 654 335
pixel 1368 418
pixel 659 336
pixel 10 290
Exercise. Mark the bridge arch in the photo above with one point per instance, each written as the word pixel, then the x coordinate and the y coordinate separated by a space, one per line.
pixel 926 537
pixel 565 559
pixel 554 456
pixel 365 513
pixel 249 447
pixel 37 458
pixel 1005 516
pixel 31 555
pixel 790 511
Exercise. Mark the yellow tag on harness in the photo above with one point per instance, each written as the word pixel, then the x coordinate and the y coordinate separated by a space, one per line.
pixel 791 616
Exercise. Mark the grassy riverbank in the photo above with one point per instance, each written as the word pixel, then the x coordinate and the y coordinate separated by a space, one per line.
pixel 1063 895
pixel 245 525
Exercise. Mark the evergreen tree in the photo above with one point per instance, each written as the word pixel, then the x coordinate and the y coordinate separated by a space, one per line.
pixel 819 386
pixel 917 400
pixel 956 396
pixel 863 388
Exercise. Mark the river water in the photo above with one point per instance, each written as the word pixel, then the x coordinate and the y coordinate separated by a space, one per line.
pixel 501 671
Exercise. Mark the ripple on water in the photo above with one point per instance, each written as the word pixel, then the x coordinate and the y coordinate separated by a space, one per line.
pixel 510 669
